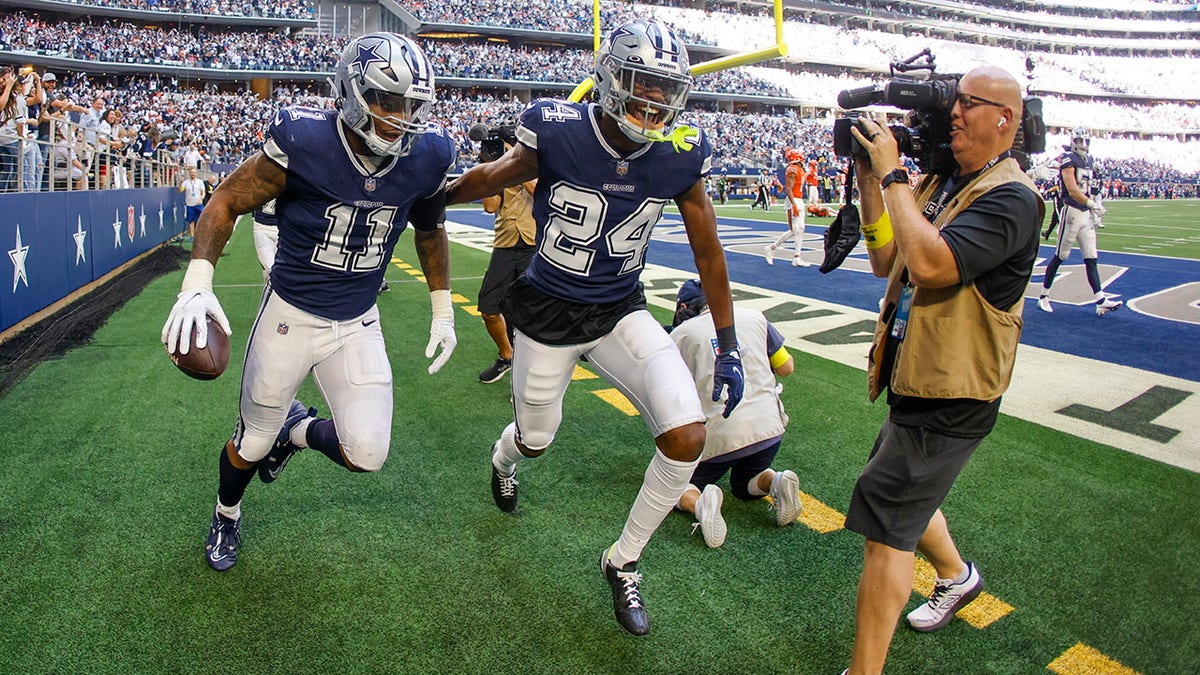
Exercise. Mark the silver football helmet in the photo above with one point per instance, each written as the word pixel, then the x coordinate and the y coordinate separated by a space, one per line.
pixel 1080 140
pixel 643 78
pixel 390 72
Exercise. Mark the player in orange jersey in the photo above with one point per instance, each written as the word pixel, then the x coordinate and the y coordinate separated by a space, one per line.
pixel 794 190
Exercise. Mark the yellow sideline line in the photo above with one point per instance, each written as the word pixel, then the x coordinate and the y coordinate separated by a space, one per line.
pixel 582 373
pixel 617 400
pixel 983 610
pixel 1084 660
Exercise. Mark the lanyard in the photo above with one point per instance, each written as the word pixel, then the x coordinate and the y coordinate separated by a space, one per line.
pixel 954 183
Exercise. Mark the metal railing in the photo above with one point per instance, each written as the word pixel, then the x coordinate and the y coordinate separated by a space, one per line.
pixel 78 159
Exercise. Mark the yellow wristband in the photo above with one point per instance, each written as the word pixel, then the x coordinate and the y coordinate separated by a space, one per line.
pixel 879 233
pixel 780 357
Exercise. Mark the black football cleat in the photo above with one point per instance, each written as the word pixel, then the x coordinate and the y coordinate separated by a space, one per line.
pixel 504 489
pixel 224 535
pixel 273 464
pixel 626 595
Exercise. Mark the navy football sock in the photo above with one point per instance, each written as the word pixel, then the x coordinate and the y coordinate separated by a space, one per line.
pixel 233 481
pixel 1093 274
pixel 322 437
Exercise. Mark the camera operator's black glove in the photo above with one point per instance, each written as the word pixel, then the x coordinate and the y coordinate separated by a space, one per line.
pixel 843 234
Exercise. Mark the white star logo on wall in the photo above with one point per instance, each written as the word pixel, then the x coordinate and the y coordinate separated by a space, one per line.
pixel 142 221
pixel 17 256
pixel 80 236
pixel 160 214
pixel 117 230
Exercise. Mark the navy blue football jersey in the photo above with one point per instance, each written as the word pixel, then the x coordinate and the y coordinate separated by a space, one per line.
pixel 1083 176
pixel 338 219
pixel 594 207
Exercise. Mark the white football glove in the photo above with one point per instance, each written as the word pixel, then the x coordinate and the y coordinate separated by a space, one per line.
pixel 194 302
pixel 441 330
pixel 1096 207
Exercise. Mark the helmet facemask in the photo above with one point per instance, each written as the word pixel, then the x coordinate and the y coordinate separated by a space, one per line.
pixel 385 89
pixel 642 79
pixel 1080 141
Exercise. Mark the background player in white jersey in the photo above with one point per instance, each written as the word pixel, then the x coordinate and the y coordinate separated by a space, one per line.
pixel 603 183
pixel 345 183
pixel 266 236
pixel 1077 222
pixel 745 443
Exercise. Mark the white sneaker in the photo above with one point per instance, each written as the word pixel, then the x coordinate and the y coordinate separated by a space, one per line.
pixel 769 252
pixel 1044 304
pixel 947 598
pixel 708 512
pixel 785 494
pixel 797 261
pixel 1107 305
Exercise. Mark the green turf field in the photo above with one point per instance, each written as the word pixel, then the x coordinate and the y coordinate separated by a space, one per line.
pixel 111 471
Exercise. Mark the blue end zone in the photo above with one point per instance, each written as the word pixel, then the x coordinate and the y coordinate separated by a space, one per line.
pixel 1126 337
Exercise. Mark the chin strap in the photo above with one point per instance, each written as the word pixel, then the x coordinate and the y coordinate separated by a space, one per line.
pixel 677 137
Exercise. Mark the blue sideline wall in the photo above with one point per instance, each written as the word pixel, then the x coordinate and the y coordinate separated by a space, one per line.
pixel 55 242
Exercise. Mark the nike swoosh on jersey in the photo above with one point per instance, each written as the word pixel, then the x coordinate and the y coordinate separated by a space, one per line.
pixel 368 323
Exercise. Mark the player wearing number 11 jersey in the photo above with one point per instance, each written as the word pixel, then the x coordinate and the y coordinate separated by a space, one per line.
pixel 346 183
pixel 603 181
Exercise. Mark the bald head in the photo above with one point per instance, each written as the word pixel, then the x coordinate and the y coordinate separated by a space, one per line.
pixel 994 84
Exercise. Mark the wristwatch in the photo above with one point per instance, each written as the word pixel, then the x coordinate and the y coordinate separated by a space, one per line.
pixel 895 176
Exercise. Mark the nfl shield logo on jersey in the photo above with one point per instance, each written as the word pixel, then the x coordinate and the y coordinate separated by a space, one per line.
pixel 282 329
pixel 622 168
pixel 369 185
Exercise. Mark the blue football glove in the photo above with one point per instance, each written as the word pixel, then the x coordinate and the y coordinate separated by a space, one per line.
pixel 728 373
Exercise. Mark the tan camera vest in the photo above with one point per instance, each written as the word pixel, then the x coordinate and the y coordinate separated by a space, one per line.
pixel 956 344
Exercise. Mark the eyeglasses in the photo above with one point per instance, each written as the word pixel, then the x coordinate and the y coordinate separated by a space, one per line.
pixel 967 101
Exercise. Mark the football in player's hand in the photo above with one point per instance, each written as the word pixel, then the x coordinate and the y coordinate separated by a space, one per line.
pixel 207 363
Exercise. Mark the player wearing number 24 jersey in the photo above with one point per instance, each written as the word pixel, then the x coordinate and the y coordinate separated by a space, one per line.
pixel 345 183
pixel 605 172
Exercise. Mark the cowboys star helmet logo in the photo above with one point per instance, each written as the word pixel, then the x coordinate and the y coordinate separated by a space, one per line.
pixel 368 53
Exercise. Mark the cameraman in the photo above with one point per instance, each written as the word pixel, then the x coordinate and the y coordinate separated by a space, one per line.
pixel 958 252
pixel 512 248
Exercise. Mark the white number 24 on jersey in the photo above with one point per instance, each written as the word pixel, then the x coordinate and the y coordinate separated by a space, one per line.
pixel 576 217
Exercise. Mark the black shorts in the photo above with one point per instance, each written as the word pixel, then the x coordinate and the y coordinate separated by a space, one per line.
pixel 741 470
pixel 909 474
pixel 505 266
pixel 554 321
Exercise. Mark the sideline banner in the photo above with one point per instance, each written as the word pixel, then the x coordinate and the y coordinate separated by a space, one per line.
pixel 55 242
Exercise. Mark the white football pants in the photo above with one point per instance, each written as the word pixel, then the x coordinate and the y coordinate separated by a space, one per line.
pixel 349 365
pixel 637 357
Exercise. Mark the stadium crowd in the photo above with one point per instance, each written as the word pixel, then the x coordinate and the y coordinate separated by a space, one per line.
pixel 223 128
pixel 198 46
pixel 279 9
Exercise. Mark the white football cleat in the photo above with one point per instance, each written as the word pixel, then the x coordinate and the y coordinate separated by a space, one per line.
pixel 785 496
pixel 769 252
pixel 708 512
pixel 1107 305
pixel 1044 304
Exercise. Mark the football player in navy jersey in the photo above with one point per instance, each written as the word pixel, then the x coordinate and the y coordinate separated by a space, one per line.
pixel 1078 216
pixel 345 183
pixel 603 182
